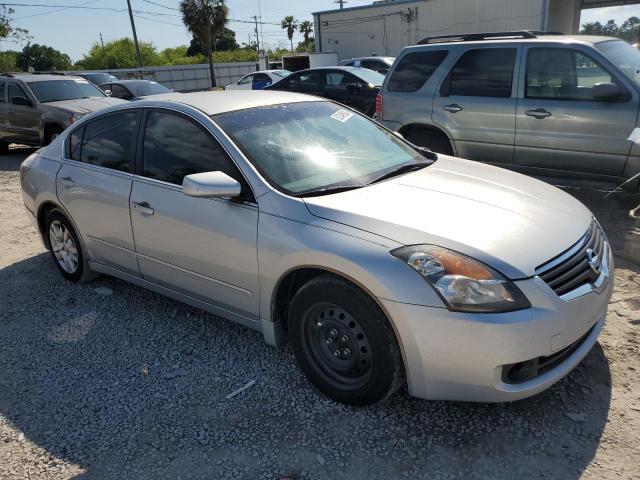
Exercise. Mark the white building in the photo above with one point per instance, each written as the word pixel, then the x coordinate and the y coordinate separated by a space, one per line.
pixel 386 26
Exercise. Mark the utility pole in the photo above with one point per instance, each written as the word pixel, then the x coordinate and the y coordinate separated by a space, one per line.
pixel 341 3
pixel 255 18
pixel 104 55
pixel 135 36
pixel 261 35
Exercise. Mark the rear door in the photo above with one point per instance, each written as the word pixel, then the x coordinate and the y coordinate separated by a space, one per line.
pixel 94 185
pixel 260 80
pixel 23 118
pixel 476 103
pixel 560 127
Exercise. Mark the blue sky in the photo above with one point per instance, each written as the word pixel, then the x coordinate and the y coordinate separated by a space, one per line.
pixel 73 31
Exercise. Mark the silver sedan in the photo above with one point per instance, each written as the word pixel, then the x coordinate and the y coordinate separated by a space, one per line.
pixel 380 262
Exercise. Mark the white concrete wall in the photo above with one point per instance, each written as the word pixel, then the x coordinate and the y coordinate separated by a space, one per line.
pixel 188 78
pixel 386 28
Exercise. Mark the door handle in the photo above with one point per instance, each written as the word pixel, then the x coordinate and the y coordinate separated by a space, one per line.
pixel 67 181
pixel 143 208
pixel 538 113
pixel 453 108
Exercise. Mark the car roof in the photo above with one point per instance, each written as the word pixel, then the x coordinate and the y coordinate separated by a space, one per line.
pixel 568 39
pixel 43 77
pixel 221 101
pixel 373 57
pixel 132 82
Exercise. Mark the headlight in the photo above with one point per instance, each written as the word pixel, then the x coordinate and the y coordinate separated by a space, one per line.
pixel 464 284
pixel 76 117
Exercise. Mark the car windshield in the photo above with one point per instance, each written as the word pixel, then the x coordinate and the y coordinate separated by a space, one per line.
pixel 140 89
pixel 64 89
pixel 310 146
pixel 99 78
pixel 281 73
pixel 623 55
pixel 369 76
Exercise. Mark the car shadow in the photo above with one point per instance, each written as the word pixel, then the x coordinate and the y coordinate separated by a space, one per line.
pixel 125 383
pixel 10 162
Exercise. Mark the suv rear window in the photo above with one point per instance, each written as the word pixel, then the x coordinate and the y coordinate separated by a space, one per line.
pixel 415 69
pixel 482 72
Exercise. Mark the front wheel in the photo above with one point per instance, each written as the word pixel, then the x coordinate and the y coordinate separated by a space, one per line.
pixel 344 343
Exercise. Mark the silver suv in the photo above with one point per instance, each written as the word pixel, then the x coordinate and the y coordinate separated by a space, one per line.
pixel 545 104
pixel 35 109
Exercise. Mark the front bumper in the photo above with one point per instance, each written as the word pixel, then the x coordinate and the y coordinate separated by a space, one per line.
pixel 461 356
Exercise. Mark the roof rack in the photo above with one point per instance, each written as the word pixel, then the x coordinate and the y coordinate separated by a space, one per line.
pixel 472 37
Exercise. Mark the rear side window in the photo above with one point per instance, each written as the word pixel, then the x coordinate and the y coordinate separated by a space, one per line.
pixel 75 143
pixel 414 70
pixel 174 147
pixel 110 141
pixel 482 73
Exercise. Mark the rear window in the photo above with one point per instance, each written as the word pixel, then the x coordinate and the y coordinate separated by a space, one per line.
pixel 414 70
pixel 482 73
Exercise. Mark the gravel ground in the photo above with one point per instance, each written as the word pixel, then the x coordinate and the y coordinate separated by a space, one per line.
pixel 107 380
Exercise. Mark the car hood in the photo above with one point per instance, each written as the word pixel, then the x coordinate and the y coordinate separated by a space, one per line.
pixel 507 220
pixel 85 105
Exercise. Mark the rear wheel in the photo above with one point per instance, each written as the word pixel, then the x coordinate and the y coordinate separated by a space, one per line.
pixel 344 343
pixel 66 248
pixel 432 139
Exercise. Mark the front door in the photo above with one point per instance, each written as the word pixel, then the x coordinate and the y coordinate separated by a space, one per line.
pixel 23 118
pixel 203 247
pixel 476 104
pixel 560 126
pixel 94 185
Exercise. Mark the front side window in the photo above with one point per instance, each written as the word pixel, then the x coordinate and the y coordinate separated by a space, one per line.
pixel 482 72
pixel 110 141
pixel 562 74
pixel 245 80
pixel 16 94
pixel 175 147
pixel 415 69
pixel 307 146
pixel 68 89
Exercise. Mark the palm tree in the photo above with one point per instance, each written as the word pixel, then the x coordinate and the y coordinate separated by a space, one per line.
pixel 205 19
pixel 289 24
pixel 305 29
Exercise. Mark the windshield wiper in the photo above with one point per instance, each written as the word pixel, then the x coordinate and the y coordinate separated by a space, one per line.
pixel 408 167
pixel 328 190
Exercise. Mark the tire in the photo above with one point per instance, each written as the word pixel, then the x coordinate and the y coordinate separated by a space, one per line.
pixel 431 139
pixel 4 148
pixel 344 343
pixel 66 248
pixel 51 132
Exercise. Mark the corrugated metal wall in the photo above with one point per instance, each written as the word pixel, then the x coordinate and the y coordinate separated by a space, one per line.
pixel 188 78
pixel 385 28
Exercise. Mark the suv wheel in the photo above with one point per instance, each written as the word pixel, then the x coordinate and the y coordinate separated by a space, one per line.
pixel 4 148
pixel 432 139
pixel 51 133
pixel 344 343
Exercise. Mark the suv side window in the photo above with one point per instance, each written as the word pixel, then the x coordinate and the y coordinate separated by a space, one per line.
pixel 16 91
pixel 110 141
pixel 2 85
pixel 175 146
pixel 415 69
pixel 563 74
pixel 482 72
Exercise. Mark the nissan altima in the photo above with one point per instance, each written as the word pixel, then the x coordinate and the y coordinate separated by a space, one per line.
pixel 383 264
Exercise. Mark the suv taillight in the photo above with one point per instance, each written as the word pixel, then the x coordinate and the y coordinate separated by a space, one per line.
pixel 379 105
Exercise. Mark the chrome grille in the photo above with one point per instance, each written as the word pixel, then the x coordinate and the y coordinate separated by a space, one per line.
pixel 578 266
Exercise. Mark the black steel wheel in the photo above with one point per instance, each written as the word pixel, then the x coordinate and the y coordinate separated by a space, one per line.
pixel 343 342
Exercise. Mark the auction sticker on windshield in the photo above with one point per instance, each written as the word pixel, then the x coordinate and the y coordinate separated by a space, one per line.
pixel 342 115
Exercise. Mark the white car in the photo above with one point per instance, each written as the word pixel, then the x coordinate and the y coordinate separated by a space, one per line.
pixel 258 80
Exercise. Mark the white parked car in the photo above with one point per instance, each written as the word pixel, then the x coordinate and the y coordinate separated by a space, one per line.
pixel 258 80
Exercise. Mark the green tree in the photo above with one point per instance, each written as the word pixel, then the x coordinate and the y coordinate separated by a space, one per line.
pixel 8 61
pixel 41 58
pixel 630 29
pixel 306 28
pixel 289 24
pixel 591 28
pixel 179 56
pixel 7 31
pixel 119 53
pixel 224 42
pixel 205 19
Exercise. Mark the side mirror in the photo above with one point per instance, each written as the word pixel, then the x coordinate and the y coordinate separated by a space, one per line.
pixel 24 101
pixel 210 184
pixel 605 92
